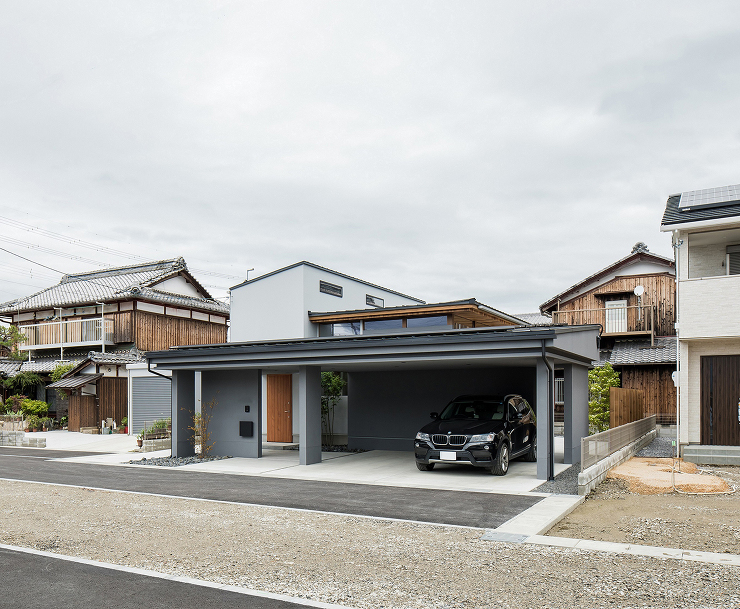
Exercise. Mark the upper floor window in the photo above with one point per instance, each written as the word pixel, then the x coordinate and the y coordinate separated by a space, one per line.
pixel 733 260
pixel 329 288
pixel 425 322
pixel 374 301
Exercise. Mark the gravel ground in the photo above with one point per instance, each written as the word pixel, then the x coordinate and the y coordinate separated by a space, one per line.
pixel 693 522
pixel 565 483
pixel 660 447
pixel 174 461
pixel 357 562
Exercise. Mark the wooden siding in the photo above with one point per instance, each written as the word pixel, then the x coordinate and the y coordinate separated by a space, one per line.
pixel 82 412
pixel 625 406
pixel 113 393
pixel 657 386
pixel 123 327
pixel 660 291
pixel 154 332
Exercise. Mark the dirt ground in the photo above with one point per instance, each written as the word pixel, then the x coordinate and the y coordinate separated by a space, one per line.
pixel 613 512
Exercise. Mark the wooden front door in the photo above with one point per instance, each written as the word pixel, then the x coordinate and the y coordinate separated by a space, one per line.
pixel 720 400
pixel 279 408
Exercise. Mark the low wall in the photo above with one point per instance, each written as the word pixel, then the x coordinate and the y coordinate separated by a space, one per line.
pixel 590 478
pixel 19 438
pixel 158 444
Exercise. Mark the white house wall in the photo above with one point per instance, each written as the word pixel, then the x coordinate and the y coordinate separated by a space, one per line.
pixel 269 309
pixel 178 285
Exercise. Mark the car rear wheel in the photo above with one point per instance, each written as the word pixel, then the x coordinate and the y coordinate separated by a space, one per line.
pixel 424 467
pixel 501 463
pixel 532 452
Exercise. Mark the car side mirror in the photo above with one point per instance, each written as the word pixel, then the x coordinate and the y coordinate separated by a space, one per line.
pixel 434 415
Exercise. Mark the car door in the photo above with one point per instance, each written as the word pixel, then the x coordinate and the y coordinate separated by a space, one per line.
pixel 516 429
pixel 527 422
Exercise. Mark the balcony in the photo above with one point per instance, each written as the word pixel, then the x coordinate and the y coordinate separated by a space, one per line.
pixel 709 307
pixel 73 333
pixel 614 320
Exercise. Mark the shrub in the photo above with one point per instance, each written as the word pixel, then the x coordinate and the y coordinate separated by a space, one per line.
pixel 14 404
pixel 63 421
pixel 33 422
pixel 36 407
pixel 600 380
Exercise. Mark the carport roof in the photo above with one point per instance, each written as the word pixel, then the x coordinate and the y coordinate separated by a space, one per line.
pixel 565 344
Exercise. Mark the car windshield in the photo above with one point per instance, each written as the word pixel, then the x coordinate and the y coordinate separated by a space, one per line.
pixel 478 409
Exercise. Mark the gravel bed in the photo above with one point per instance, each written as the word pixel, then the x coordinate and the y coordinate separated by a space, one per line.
pixel 174 461
pixel 660 447
pixel 352 561
pixel 565 483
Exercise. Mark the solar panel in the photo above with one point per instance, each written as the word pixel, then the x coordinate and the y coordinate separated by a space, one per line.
pixel 709 197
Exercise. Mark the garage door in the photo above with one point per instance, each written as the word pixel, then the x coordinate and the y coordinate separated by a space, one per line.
pixel 720 400
pixel 151 399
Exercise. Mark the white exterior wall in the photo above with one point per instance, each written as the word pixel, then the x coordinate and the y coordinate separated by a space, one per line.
pixel 268 309
pixel 178 285
pixel 710 307
pixel 277 306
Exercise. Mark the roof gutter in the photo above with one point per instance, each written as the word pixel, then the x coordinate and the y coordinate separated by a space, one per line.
pixel 149 369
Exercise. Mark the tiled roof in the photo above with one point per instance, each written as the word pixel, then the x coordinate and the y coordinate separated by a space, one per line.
pixel 536 319
pixel 114 284
pixel 48 364
pixel 674 215
pixel 9 368
pixel 632 352
pixel 73 382
pixel 116 357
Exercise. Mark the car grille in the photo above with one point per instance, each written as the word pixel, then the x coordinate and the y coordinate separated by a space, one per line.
pixel 440 440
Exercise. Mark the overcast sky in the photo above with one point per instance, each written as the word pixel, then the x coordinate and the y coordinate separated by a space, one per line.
pixel 496 150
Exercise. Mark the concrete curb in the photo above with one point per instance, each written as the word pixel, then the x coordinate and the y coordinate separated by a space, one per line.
pixel 542 516
pixel 590 478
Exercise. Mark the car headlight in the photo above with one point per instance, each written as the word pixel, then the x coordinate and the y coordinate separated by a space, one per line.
pixel 422 436
pixel 483 437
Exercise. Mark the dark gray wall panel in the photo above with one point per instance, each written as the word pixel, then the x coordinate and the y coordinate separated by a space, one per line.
pixel 232 390
pixel 386 409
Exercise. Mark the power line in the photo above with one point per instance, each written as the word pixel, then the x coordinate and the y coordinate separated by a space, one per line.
pixel 32 261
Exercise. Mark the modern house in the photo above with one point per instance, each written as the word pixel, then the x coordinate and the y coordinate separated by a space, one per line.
pixel 634 302
pixel 705 225
pixel 100 321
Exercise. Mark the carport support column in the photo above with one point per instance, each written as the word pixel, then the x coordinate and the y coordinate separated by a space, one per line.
pixel 544 432
pixel 183 409
pixel 309 414
pixel 575 396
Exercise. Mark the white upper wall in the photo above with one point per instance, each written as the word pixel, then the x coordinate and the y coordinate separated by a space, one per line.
pixel 178 285
pixel 276 306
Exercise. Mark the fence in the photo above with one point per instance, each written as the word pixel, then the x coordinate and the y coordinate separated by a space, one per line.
pixel 625 406
pixel 599 446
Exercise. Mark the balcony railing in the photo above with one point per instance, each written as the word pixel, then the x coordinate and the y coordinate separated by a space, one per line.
pixel 72 333
pixel 637 320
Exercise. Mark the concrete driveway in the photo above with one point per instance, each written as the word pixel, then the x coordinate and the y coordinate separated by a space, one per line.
pixel 387 468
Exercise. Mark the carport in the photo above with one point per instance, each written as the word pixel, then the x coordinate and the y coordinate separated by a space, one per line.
pixel 395 380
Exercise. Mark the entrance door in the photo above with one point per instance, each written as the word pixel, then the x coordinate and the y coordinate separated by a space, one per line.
pixel 720 400
pixel 616 316
pixel 279 408
pixel 82 412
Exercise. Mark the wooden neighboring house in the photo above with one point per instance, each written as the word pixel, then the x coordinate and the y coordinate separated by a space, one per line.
pixel 634 301
pixel 118 313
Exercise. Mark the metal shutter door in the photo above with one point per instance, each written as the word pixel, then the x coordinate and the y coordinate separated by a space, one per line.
pixel 151 399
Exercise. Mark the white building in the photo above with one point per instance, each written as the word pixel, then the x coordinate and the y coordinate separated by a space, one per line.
pixel 706 233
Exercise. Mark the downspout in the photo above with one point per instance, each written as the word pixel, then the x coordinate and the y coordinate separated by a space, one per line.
pixel 550 418
pixel 149 369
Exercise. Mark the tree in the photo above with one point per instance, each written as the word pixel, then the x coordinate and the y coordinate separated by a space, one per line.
pixel 332 386
pixel 10 337
pixel 59 371
pixel 600 380
pixel 22 381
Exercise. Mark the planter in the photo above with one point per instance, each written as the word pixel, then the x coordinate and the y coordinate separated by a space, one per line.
pixel 27 430
pixel 125 429
pixel 139 442
pixel 35 429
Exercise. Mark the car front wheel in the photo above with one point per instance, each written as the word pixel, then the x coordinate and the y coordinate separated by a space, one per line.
pixel 501 463
pixel 424 467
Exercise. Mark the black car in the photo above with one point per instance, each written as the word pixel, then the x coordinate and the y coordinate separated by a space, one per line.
pixel 479 430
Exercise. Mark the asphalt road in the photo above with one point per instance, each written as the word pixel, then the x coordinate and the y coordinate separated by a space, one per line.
pixel 32 581
pixel 485 510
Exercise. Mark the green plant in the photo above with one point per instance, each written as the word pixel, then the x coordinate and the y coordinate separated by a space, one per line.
pixel 10 337
pixel 14 403
pixel 59 371
pixel 22 381
pixel 124 421
pixel 36 407
pixel 332 386
pixel 47 423
pixel 600 380
pixel 33 422
pixel 199 427
pixel 63 421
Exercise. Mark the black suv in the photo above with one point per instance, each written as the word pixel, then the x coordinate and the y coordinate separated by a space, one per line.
pixel 479 430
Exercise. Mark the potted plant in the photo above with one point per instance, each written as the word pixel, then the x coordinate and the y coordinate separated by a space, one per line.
pixel 63 422
pixel 124 425
pixel 33 422
pixel 140 439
